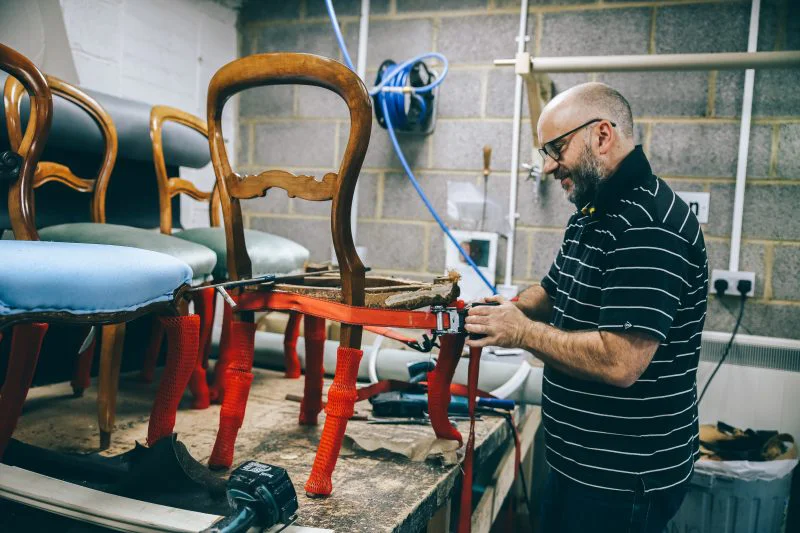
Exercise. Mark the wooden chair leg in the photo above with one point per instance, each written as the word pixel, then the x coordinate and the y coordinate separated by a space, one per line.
pixel 82 372
pixel 26 341
pixel 342 397
pixel 108 379
pixel 312 387
pixel 290 337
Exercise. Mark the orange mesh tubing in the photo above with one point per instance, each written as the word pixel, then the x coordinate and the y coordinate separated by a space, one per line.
pixel 152 351
pixel 439 386
pixel 204 308
pixel 290 337
pixel 315 352
pixel 26 341
pixel 217 389
pixel 342 396
pixel 238 378
pixel 82 372
pixel 182 343
pixel 465 511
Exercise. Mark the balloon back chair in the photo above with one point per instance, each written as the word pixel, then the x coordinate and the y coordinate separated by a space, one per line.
pixel 91 284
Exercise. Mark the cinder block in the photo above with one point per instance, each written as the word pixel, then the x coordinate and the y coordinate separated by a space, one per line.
pixel 720 210
pixel 405 6
pixel 770 320
pixel 702 28
pixel 562 82
pixel 346 8
pixel 516 3
pixel 549 208
pixel 294 144
pixel 460 94
pixel 313 38
pixel 770 212
pixel 94 28
pixel 545 249
pixel 785 282
pixel 273 101
pixel 311 233
pixel 479 39
pixel 316 102
pixel 606 32
pixel 391 39
pixel 770 94
pixel 500 94
pixel 393 246
pixel 276 201
pixel 522 259
pixel 242 146
pixel 718 318
pixel 459 144
pixel 653 94
pixel 685 185
pixel 436 253
pixel 788 150
pixel 401 201
pixel 380 153
pixel 706 149
pixel 751 259
pixel 267 10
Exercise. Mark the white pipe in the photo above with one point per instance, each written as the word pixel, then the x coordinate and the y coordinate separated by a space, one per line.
pixel 515 130
pixel 654 62
pixel 744 143
pixel 361 70
pixel 393 364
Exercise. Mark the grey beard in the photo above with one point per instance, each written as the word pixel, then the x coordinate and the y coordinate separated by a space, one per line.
pixel 586 177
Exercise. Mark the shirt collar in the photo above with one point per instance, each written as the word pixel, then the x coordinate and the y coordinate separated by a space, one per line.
pixel 632 170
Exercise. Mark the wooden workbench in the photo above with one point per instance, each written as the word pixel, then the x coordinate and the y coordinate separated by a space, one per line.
pixel 372 491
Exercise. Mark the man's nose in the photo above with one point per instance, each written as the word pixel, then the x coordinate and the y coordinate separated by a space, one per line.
pixel 550 165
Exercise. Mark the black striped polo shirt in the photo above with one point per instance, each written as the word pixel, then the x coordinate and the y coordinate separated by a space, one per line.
pixel 634 260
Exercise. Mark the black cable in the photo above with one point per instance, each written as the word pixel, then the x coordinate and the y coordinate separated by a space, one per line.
pixel 727 348
pixel 528 503
pixel 728 310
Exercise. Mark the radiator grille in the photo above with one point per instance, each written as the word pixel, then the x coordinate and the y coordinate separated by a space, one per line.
pixel 752 350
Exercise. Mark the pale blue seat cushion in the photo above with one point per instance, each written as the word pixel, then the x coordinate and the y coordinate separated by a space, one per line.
pixel 81 279
pixel 269 254
pixel 200 258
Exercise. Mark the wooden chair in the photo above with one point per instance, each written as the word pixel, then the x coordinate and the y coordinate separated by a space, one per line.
pixel 350 292
pixel 90 284
pixel 270 254
pixel 201 259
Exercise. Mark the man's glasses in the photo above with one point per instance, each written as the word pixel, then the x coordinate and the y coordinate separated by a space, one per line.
pixel 553 148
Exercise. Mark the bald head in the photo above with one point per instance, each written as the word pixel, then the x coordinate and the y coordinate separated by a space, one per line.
pixel 585 102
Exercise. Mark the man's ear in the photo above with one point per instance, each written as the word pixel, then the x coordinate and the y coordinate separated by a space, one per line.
pixel 605 136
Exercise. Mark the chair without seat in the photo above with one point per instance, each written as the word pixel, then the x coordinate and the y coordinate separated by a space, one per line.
pixel 45 282
pixel 350 290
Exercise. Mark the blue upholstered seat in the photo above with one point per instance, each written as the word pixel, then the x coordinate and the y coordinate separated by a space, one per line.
pixel 82 279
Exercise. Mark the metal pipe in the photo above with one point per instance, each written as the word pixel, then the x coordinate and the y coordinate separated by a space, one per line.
pixel 744 143
pixel 515 130
pixel 654 62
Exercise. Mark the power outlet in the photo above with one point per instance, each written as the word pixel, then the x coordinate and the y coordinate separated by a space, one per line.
pixel 733 279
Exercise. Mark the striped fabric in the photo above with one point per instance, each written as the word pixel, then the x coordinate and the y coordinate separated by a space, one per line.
pixel 637 263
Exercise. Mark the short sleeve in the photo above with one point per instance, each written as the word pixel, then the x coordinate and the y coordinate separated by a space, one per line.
pixel 550 280
pixel 647 272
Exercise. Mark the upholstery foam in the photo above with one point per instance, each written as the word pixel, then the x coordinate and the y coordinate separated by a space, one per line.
pixel 80 279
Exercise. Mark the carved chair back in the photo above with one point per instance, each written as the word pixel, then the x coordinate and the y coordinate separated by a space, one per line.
pixel 168 187
pixel 50 171
pixel 29 146
pixel 284 69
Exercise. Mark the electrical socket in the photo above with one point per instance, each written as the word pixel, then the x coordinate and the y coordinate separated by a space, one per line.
pixel 733 279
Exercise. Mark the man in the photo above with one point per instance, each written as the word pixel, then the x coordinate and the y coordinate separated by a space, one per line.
pixel 617 321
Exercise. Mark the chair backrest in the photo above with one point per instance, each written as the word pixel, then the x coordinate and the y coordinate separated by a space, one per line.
pixel 50 171
pixel 284 69
pixel 171 187
pixel 30 145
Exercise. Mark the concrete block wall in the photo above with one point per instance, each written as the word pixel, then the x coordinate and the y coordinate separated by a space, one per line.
pixel 688 123
pixel 159 53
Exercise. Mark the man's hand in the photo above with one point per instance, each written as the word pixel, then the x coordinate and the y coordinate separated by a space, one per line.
pixel 504 325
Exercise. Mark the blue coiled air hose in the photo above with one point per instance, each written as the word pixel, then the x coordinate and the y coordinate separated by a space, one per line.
pixel 390 94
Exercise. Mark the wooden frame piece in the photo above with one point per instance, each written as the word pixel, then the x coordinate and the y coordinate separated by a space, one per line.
pixel 47 171
pixel 170 187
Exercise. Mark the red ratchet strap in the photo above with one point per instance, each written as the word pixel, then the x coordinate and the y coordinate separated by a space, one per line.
pixel 338 312
pixel 465 512
pixel 390 334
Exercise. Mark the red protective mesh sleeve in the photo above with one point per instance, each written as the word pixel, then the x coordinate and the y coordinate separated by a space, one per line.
pixel 238 378
pixel 82 373
pixel 152 351
pixel 315 352
pixel 26 341
pixel 182 343
pixel 203 304
pixel 290 345
pixel 217 389
pixel 439 387
pixel 342 396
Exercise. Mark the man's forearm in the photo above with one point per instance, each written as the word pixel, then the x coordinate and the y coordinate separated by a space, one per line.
pixel 535 303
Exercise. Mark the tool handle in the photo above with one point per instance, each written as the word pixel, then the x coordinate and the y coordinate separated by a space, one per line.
pixel 487 160
pixel 497 403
